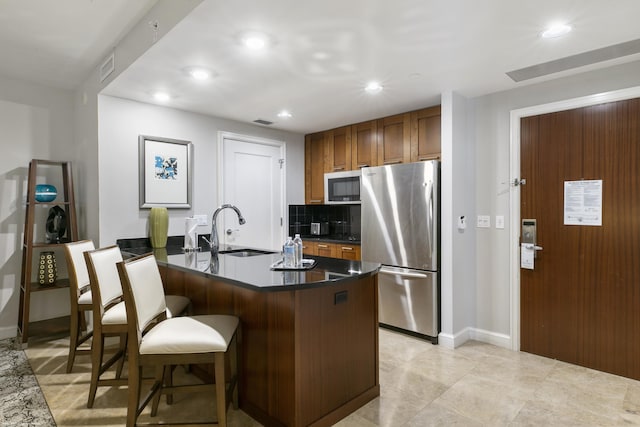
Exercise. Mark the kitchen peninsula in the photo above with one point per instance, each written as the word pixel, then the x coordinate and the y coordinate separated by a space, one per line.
pixel 309 339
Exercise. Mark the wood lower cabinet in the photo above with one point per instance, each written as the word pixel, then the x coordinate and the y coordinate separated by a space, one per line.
pixel 327 250
pixel 394 139
pixel 332 250
pixel 425 134
pixel 308 357
pixel 351 252
pixel 315 149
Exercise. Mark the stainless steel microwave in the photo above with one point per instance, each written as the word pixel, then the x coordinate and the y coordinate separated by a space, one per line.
pixel 342 187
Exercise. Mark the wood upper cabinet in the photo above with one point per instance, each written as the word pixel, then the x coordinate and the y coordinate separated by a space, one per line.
pixel 425 134
pixel 403 138
pixel 364 145
pixel 339 149
pixel 394 139
pixel 315 149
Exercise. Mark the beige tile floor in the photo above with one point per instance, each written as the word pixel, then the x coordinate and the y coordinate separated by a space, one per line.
pixel 421 385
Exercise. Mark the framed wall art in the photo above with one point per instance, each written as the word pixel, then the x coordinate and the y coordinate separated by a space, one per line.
pixel 166 170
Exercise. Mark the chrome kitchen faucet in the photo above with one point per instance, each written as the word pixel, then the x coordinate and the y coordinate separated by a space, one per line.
pixel 213 237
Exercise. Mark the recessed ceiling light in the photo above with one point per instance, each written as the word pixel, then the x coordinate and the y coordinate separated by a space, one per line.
pixel 555 30
pixel 373 87
pixel 284 114
pixel 200 73
pixel 255 40
pixel 161 96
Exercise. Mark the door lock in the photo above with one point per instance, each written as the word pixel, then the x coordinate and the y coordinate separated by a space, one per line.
pixel 529 247
pixel 529 227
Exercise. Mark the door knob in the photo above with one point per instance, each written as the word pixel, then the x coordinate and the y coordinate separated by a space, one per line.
pixel 231 230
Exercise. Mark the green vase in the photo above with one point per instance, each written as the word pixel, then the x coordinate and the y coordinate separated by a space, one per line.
pixel 158 227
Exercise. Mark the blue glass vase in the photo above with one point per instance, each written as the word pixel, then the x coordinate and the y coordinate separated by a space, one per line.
pixel 46 193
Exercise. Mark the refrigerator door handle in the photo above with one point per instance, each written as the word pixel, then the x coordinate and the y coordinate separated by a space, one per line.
pixel 403 274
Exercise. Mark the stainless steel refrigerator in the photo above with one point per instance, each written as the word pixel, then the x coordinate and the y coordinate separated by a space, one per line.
pixel 400 230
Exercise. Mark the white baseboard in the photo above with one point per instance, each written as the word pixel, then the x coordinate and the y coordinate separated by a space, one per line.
pixel 454 341
pixel 494 338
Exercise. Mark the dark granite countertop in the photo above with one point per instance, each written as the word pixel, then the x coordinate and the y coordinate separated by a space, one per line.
pixel 253 272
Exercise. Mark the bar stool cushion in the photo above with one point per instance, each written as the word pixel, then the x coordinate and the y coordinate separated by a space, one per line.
pixel 197 334
pixel 85 298
pixel 116 315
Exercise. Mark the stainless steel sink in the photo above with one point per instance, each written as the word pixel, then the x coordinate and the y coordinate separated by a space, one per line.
pixel 246 252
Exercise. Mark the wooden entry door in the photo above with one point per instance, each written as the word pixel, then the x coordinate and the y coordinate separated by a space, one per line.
pixel 581 302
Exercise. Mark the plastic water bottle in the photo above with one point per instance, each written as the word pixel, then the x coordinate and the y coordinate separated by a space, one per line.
pixel 289 251
pixel 298 242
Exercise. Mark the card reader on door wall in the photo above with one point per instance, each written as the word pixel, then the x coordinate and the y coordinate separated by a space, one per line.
pixel 529 231
pixel 528 247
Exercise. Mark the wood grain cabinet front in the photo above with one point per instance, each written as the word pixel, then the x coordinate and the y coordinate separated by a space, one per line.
pixel 394 139
pixel 315 149
pixel 364 145
pixel 332 250
pixel 351 252
pixel 327 250
pixel 425 134
pixel 339 149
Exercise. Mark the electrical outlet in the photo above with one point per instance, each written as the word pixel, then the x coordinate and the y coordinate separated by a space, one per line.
pixel 483 221
pixel 202 219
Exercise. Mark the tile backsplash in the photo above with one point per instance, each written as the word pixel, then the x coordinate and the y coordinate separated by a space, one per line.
pixel 344 220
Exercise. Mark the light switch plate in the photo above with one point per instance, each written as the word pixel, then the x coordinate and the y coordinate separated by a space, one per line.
pixel 202 219
pixel 483 221
pixel 499 221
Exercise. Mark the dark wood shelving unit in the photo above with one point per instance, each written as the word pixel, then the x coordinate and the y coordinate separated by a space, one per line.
pixel 30 246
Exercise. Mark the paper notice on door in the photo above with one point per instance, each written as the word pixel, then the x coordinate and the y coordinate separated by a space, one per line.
pixel 527 254
pixel 583 202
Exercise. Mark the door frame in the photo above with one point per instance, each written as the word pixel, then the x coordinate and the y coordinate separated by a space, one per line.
pixel 222 135
pixel 514 231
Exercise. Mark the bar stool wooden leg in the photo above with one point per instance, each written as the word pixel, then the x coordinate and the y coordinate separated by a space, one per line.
pixel 73 341
pixel 221 389
pixel 97 348
pixel 123 348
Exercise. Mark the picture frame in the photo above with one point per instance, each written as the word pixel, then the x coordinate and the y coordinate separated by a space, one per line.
pixel 165 172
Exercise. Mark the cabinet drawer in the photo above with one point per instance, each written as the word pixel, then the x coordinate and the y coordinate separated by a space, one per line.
pixel 332 250
pixel 351 252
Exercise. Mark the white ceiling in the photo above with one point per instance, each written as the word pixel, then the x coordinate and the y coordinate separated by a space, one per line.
pixel 58 43
pixel 323 52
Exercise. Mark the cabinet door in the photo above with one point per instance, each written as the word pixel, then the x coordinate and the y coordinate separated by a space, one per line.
pixel 394 139
pixel 339 149
pixel 326 249
pixel 351 252
pixel 364 151
pixel 314 152
pixel 425 134
pixel 309 248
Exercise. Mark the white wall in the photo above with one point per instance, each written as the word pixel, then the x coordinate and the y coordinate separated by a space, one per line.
pixel 168 13
pixel 457 199
pixel 492 190
pixel 120 123
pixel 36 122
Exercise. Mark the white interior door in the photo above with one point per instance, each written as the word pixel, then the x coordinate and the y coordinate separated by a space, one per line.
pixel 252 175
